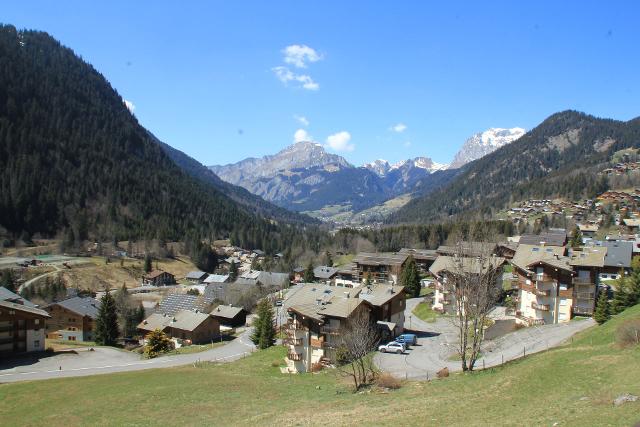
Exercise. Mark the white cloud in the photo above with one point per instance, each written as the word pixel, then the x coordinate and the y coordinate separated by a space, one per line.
pixel 285 75
pixel 340 141
pixel 301 119
pixel 298 55
pixel 130 106
pixel 301 135
pixel 399 128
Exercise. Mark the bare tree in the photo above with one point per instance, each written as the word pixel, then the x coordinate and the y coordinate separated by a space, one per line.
pixel 473 280
pixel 358 339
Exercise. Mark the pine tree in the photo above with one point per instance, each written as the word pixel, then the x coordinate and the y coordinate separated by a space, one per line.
pixel 7 280
pixel 601 314
pixel 308 276
pixel 147 264
pixel 576 240
pixel 264 334
pixel 410 278
pixel 367 279
pixel 107 321
pixel 621 297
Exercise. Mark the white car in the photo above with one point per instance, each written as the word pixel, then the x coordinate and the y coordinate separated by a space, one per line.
pixel 392 347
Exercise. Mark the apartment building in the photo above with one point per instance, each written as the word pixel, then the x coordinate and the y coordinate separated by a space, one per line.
pixel 319 313
pixel 22 325
pixel 554 284
pixel 382 267
pixel 446 267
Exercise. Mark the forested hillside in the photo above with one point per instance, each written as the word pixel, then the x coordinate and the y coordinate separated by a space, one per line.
pixel 75 161
pixel 559 158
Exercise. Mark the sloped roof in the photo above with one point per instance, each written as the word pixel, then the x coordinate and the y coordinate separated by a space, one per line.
pixel 156 273
pixel 84 306
pixel 24 308
pixel 7 295
pixel 589 257
pixel 428 254
pixel 154 321
pixel 226 311
pixel 176 302
pixel 324 272
pixel 196 275
pixel 187 320
pixel 527 254
pixel 632 222
pixel 468 249
pixel 380 258
pixel 619 253
pixel 555 237
pixel 217 278
pixel 469 265
pixel 380 294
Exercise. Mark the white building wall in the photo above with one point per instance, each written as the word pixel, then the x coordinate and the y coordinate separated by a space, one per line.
pixel 35 339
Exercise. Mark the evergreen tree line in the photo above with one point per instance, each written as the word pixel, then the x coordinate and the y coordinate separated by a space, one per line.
pixel 47 290
pixel 626 294
pixel 118 316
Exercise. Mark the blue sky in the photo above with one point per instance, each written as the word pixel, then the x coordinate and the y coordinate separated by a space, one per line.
pixel 216 80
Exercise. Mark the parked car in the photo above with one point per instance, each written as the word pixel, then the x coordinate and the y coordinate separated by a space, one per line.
pixel 278 303
pixel 392 347
pixel 408 339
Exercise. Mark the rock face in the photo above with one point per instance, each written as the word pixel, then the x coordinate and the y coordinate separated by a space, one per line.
pixel 304 177
pixel 483 143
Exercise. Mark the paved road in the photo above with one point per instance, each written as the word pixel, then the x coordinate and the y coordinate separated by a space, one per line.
pixel 437 344
pixel 108 360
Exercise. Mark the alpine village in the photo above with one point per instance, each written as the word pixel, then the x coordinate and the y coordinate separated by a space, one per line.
pixel 139 286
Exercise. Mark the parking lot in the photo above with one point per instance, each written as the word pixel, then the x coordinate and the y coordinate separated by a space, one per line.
pixel 436 348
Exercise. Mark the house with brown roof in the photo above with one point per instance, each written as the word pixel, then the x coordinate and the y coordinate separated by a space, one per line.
pixel 318 315
pixel 158 278
pixel 230 316
pixel 380 267
pixel 185 325
pixel 73 319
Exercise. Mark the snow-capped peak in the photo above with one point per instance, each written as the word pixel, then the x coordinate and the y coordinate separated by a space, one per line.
pixel 483 143
pixel 380 167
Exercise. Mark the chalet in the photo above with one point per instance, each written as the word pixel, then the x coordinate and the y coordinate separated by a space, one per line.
pixel 383 267
pixel 230 316
pixel 325 274
pixel 346 277
pixel 445 267
pixel 588 230
pixel 192 327
pixel 632 224
pixel 468 249
pixel 318 314
pixel 587 263
pixel 424 257
pixel 196 277
pixel 217 278
pixel 158 278
pixel 506 250
pixel 73 319
pixel 171 304
pixel 618 258
pixel 22 325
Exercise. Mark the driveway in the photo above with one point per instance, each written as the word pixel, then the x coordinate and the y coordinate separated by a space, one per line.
pixel 437 346
pixel 105 360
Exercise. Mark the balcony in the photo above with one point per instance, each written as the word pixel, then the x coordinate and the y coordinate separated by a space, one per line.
pixel 583 281
pixel 585 295
pixel 330 330
pixel 296 357
pixel 542 292
pixel 292 341
pixel 541 307
pixel 586 311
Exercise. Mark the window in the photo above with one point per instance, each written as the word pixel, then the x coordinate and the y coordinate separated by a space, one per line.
pixel 36 321
pixel 36 343
pixel 563 286
pixel 563 302
pixel 72 338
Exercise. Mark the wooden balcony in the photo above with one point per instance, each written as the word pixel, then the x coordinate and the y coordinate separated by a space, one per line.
pixel 585 295
pixel 317 342
pixel 542 292
pixel 541 307
pixel 585 311
pixel 330 330
pixel 296 357
pixel 292 341
pixel 583 281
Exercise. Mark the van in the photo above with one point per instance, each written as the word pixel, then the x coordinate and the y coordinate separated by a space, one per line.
pixel 409 339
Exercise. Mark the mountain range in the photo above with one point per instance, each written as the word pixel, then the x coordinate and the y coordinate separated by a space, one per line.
pixel 304 177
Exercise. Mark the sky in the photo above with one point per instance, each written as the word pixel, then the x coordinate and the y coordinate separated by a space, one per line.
pixel 223 81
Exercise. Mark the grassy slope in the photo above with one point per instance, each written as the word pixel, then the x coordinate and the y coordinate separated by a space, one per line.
pixel 424 312
pixel 573 385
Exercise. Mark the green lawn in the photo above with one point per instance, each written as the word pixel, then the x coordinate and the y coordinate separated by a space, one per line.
pixel 573 385
pixel 423 311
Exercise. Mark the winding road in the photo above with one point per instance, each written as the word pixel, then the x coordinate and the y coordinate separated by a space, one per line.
pixel 106 360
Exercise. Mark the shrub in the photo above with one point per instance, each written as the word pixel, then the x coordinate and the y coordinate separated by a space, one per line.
pixel 443 373
pixel 628 334
pixel 157 343
pixel 276 363
pixel 386 380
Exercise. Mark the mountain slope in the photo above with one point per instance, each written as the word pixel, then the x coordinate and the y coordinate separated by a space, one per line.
pixel 483 143
pixel 74 159
pixel 557 158
pixel 238 194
